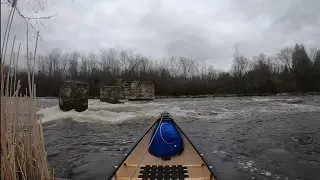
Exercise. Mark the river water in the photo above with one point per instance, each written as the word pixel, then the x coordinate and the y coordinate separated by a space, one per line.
pixel 274 137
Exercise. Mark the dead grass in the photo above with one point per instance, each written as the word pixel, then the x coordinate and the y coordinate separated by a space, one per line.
pixel 23 154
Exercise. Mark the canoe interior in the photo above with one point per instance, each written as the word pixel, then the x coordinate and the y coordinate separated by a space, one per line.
pixel 189 165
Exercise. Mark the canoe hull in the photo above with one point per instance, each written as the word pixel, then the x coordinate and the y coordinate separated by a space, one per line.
pixel 140 164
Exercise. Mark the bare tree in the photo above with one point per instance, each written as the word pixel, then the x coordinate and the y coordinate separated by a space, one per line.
pixel 112 61
pixel 173 66
pixel 84 65
pixel 240 64
pixel 277 65
pixel 211 73
pixel 262 63
pixel 104 60
pixel 134 60
pixel 285 56
pixel 53 62
pixel 92 63
pixel 313 52
pixel 239 69
pixel 73 64
pixel 123 57
pixel 144 66
pixel 203 71
pixel 42 65
pixel 64 63
pixel 186 66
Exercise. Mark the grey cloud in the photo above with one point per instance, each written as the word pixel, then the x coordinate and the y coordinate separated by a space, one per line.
pixel 161 28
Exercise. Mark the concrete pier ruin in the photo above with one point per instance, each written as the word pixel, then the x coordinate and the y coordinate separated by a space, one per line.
pixel 139 91
pixel 110 94
pixel 74 95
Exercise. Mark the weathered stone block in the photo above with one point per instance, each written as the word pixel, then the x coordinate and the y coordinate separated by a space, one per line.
pixel 110 94
pixel 74 95
pixel 140 90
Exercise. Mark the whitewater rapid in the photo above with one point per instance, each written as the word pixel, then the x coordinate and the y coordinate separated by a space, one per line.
pixel 272 137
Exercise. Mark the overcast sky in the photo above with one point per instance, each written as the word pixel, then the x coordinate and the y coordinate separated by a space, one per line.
pixel 162 28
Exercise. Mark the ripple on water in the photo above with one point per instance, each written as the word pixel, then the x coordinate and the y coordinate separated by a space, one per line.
pixel 313 162
pixel 229 129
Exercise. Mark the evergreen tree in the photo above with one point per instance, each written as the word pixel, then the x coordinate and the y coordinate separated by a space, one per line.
pixel 302 67
pixel 316 70
pixel 316 63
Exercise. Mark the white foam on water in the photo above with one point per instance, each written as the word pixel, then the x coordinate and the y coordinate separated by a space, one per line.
pixel 294 139
pixel 214 152
pixel 250 163
pixel 94 103
pixel 262 99
pixel 54 113
pixel 117 113
pixel 266 173
pixel 300 107
pixel 278 107
pixel 114 113
pixel 266 99
pixel 249 166
pixel 285 105
pixel 177 111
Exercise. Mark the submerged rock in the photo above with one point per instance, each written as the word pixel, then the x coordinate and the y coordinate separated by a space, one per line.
pixel 74 95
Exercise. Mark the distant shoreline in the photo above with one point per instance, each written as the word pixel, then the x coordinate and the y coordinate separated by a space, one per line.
pixel 237 95
pixel 218 95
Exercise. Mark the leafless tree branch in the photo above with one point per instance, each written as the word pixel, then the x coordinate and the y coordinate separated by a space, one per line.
pixel 27 19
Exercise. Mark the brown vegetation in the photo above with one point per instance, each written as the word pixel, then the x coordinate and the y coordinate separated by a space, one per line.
pixel 23 154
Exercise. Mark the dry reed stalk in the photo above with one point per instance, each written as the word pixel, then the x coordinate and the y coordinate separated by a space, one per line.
pixel 23 154
pixel 15 68
pixel 10 69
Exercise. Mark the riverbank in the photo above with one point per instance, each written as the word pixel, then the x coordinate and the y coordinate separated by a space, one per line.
pixel 217 95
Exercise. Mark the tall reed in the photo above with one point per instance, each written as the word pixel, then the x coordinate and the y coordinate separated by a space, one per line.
pixel 23 155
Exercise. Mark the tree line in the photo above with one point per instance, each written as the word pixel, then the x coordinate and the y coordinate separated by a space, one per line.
pixel 293 69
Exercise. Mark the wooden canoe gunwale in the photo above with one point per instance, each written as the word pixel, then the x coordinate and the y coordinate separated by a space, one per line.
pixel 167 116
pixel 129 151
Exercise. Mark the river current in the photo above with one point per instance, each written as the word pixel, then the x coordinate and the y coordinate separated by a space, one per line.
pixel 271 137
